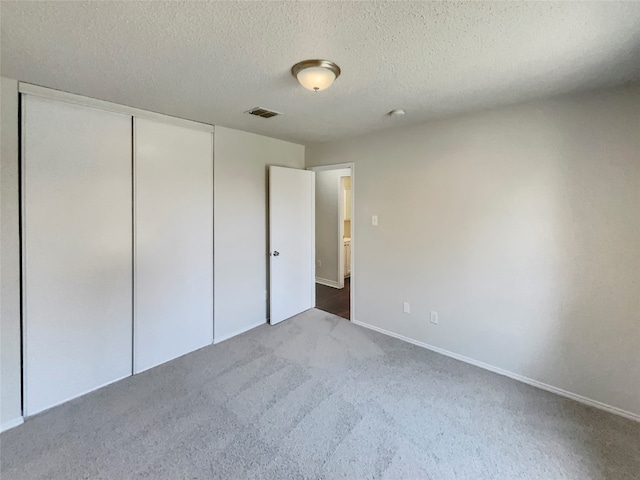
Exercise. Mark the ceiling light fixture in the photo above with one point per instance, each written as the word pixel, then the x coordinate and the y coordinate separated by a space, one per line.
pixel 315 75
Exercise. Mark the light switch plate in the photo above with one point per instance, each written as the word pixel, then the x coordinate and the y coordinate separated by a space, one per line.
pixel 434 317
pixel 374 220
pixel 406 307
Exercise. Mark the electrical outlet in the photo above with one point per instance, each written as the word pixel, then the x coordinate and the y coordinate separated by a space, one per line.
pixel 434 317
pixel 374 220
pixel 319 262
pixel 406 307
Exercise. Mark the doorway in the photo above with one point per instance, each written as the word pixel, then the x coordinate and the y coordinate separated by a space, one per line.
pixel 334 242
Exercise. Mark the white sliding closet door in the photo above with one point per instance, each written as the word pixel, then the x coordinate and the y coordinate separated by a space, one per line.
pixel 173 286
pixel 77 244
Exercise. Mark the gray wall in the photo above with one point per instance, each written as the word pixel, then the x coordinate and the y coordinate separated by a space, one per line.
pixel 327 243
pixel 240 225
pixel 10 383
pixel 521 227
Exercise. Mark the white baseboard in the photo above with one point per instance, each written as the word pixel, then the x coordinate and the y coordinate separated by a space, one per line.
pixel 217 340
pixel 11 424
pixel 28 414
pixel 506 373
pixel 328 283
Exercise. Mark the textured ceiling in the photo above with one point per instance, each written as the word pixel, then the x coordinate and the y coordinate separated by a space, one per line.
pixel 211 61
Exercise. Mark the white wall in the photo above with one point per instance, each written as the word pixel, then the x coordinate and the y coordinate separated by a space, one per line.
pixel 10 383
pixel 521 227
pixel 327 211
pixel 240 225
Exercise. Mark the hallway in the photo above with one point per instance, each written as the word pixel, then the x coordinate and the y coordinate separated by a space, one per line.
pixel 334 300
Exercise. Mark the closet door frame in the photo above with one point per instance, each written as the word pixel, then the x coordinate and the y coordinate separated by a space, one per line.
pixel 52 94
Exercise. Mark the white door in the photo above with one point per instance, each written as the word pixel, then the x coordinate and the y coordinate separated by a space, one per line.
pixel 77 263
pixel 291 242
pixel 173 272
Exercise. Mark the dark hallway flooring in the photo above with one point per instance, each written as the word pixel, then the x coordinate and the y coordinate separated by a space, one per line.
pixel 334 300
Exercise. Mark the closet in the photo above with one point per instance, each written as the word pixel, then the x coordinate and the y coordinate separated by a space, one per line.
pixel 173 195
pixel 76 168
pixel 117 243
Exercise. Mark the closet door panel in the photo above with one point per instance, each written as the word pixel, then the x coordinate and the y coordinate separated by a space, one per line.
pixel 173 291
pixel 77 257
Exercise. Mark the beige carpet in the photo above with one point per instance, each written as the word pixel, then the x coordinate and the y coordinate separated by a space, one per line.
pixel 319 397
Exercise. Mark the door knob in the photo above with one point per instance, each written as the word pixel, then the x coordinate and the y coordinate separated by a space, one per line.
pixel 276 253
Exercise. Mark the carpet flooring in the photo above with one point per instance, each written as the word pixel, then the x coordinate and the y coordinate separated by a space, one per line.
pixel 319 397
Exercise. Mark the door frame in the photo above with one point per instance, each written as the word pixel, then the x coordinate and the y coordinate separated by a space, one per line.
pixel 341 231
pixel 352 167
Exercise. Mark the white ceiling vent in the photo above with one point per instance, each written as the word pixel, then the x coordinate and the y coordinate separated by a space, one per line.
pixel 263 112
